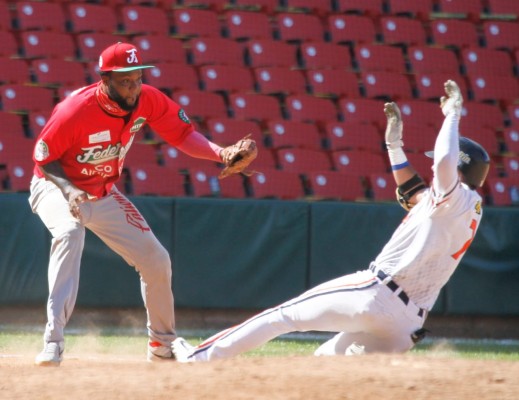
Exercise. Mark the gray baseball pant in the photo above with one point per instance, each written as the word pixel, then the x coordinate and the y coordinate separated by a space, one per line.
pixel 116 221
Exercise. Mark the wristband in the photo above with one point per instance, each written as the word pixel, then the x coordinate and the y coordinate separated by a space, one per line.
pixel 397 158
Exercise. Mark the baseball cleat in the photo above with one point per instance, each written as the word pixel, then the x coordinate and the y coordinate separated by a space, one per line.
pixel 355 349
pixel 157 352
pixel 51 355
pixel 182 350
pixel 454 100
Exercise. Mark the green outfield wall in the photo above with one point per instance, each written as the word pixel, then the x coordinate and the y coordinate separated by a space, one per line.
pixel 255 254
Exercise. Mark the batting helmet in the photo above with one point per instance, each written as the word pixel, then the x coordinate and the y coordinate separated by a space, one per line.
pixel 473 162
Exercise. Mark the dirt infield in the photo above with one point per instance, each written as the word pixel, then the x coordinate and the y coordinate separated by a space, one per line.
pixel 90 374
pixel 388 377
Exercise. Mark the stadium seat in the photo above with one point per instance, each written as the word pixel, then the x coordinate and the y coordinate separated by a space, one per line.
pixel 203 180
pixel 172 76
pixel 39 15
pixel 496 168
pixel 21 98
pixel 487 61
pixel 421 113
pixel 511 140
pixel 8 44
pixel 11 124
pixel 336 82
pixel 232 187
pixel 477 115
pixel 199 104
pixel 20 173
pixel 363 111
pixel 283 133
pixel 14 70
pixel 189 22
pixel 302 161
pixel 259 107
pixel 422 164
pixel 419 138
pixel 372 8
pixel 317 55
pixel 92 71
pixel 502 7
pixel 417 9
pixel 501 34
pixel 317 7
pixel 513 114
pixel 265 160
pixel 216 5
pixel 227 131
pixel 429 86
pixel 138 19
pixel 142 154
pixel 402 30
pixel 87 17
pixel 511 166
pixel 386 85
pixel 279 80
pixel 246 25
pixel 470 9
pixel 503 191
pixel 37 120
pixel 56 72
pixel 42 44
pixel 216 50
pixel 14 147
pixel 487 137
pixel 454 32
pixel 299 27
pixel 90 44
pixel 226 78
pixel 335 185
pixel 308 108
pixel 359 163
pixel 260 6
pixel 271 53
pixel 346 28
pixel 428 59
pixel 272 183
pixel 5 17
pixel 382 186
pixel 156 180
pixel 490 87
pixel 352 136
pixel 160 48
pixel 374 57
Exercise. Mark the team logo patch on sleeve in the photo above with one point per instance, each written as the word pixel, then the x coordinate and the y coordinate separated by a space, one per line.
pixel 478 207
pixel 182 115
pixel 41 151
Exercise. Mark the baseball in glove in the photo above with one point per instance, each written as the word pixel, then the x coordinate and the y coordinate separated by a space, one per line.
pixel 238 156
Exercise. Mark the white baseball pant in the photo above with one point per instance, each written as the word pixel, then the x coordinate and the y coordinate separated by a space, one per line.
pixel 116 221
pixel 358 306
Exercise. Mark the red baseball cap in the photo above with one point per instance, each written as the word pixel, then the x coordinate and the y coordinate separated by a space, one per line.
pixel 121 57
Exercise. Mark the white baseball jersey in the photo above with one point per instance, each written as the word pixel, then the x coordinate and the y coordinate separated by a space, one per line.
pixel 427 247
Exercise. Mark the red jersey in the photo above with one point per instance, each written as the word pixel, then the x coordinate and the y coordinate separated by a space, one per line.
pixel 91 145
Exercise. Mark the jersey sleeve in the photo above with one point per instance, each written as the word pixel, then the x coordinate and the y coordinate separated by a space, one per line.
pixel 55 138
pixel 167 118
pixel 446 152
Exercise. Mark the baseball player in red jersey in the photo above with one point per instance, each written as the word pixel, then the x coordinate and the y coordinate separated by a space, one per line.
pixel 78 157
pixel 383 308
